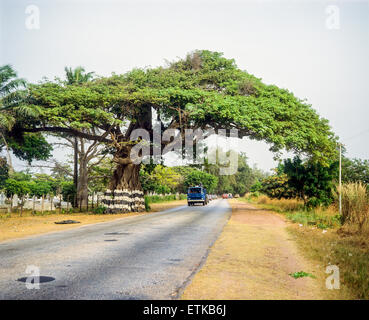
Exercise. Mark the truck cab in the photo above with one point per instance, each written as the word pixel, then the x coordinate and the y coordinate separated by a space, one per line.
pixel 197 194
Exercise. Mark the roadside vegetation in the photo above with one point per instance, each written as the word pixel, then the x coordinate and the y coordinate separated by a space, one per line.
pixel 321 232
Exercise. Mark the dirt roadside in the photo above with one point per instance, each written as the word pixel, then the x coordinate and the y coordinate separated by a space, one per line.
pixel 252 259
pixel 18 227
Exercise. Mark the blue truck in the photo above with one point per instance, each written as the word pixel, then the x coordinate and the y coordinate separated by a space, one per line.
pixel 197 194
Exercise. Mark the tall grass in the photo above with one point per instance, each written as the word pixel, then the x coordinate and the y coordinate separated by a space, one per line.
pixel 355 204
pixel 295 211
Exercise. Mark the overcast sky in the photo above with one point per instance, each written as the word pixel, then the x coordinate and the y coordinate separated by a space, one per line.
pixel 317 51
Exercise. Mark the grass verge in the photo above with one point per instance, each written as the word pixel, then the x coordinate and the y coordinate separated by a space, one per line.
pixel 335 245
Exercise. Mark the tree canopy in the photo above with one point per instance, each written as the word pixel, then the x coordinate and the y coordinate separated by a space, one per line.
pixel 204 90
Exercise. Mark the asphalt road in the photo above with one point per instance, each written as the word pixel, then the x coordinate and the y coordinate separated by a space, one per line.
pixel 139 257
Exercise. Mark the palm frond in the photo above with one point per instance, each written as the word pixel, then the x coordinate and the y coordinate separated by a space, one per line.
pixel 7 121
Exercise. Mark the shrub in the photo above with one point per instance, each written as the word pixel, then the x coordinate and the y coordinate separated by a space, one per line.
pixel 99 210
pixel 147 204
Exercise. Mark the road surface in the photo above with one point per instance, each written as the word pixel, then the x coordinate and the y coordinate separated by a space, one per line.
pixel 140 257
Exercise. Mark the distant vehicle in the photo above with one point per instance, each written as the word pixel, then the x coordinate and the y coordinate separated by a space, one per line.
pixel 197 194
pixel 230 196
pixel 225 196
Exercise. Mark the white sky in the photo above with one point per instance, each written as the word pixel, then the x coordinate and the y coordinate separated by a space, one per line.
pixel 286 43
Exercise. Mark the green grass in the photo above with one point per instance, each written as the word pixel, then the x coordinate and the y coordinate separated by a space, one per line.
pixel 164 198
pixel 301 274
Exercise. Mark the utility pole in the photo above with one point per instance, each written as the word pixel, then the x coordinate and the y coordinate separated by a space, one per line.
pixel 75 173
pixel 340 181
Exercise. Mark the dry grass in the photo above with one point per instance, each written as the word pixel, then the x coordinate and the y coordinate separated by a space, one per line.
pixel 346 246
pixel 350 252
pixel 321 217
pixel 13 226
pixel 252 259
pixel 355 204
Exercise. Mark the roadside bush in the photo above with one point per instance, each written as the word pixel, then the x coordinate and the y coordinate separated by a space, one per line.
pixel 147 205
pixel 99 210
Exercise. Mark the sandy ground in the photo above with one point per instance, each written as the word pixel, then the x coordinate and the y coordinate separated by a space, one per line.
pixel 252 259
pixel 19 227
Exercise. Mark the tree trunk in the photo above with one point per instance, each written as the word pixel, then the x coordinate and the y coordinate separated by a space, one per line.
pixel 42 204
pixel 125 192
pixel 33 205
pixel 10 164
pixel 51 202
pixel 82 189
pixel 60 203
pixel 75 172
pixel 21 210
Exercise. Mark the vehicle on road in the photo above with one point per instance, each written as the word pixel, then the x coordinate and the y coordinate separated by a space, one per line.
pixel 225 196
pixel 197 194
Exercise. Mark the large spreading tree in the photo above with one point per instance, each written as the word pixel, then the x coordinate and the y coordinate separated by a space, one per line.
pixel 205 90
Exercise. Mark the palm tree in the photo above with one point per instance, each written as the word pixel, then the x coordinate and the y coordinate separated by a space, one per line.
pixel 10 97
pixel 77 75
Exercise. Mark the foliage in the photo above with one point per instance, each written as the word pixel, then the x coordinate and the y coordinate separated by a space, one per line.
pixel 68 190
pixel 9 96
pixel 161 180
pixel 77 75
pixel 355 170
pixel 309 181
pixel 197 177
pixel 99 175
pixel 24 146
pixel 4 172
pixel 256 187
pixel 99 210
pixel 39 188
pixel 147 204
pixel 301 274
pixel 21 176
pixel 163 198
pixel 30 147
pixel 15 187
pixel 203 90
pixel 238 183
pixel 277 186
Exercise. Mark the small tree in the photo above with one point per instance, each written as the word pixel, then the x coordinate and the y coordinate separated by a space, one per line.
pixel 40 188
pixel 68 190
pixel 312 182
pixel 198 177
pixel 20 188
pixel 308 181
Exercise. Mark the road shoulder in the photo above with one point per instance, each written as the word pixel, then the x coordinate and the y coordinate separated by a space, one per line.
pixel 17 227
pixel 252 259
